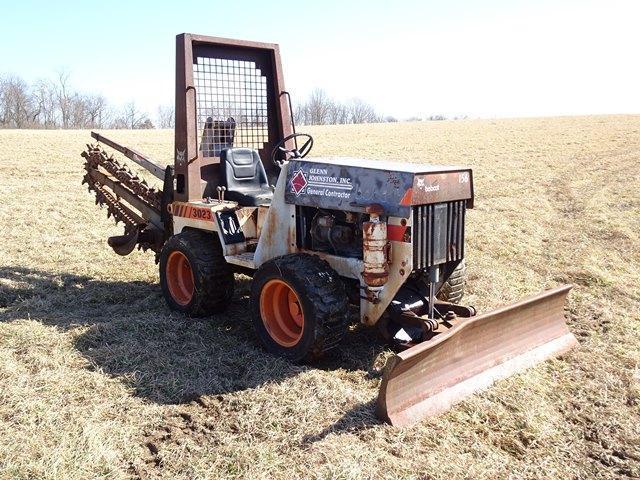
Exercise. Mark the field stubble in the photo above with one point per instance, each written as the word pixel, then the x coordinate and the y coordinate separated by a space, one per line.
pixel 99 379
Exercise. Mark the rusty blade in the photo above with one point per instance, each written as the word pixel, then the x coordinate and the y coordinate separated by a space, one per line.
pixel 429 378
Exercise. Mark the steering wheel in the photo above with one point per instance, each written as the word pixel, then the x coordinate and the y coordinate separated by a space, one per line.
pixel 301 152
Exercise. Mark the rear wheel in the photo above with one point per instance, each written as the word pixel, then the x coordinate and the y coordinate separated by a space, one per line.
pixel 194 276
pixel 299 306
pixel 453 289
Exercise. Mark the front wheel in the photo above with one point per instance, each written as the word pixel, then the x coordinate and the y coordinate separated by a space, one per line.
pixel 194 276
pixel 299 306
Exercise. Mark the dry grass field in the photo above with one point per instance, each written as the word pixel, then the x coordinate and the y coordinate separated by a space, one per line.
pixel 98 379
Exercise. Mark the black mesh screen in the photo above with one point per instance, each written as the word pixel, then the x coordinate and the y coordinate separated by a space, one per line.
pixel 231 105
pixel 438 233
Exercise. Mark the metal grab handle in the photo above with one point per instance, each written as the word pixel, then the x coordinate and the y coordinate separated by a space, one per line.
pixel 293 123
pixel 195 118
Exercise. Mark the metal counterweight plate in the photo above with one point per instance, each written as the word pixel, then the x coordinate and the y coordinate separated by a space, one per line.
pixel 429 378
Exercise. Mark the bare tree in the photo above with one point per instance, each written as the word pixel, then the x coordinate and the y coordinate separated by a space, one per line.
pixel 78 111
pixel 146 124
pixel 299 114
pixel 17 109
pixel 166 116
pixel 118 122
pixel 63 97
pixel 4 120
pixel 96 111
pixel 44 93
pixel 132 116
pixel 318 107
pixel 362 112
pixel 338 113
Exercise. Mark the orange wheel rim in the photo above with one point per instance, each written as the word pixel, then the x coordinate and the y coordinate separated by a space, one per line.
pixel 281 312
pixel 180 278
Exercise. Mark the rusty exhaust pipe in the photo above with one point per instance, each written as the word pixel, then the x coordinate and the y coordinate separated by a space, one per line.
pixel 375 252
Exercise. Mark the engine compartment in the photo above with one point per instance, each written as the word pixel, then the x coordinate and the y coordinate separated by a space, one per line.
pixel 330 231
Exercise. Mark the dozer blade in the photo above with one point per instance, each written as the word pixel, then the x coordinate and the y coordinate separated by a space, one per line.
pixel 430 377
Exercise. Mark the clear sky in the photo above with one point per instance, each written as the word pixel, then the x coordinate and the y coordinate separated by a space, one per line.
pixel 488 58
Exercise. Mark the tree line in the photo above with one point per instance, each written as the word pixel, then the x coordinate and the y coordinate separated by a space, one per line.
pixel 320 109
pixel 53 103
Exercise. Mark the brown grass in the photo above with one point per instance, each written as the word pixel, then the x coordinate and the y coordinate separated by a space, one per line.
pixel 99 380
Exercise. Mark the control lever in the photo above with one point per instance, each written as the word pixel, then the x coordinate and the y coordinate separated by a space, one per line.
pixel 221 191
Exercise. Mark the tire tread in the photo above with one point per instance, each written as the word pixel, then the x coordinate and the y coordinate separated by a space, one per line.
pixel 215 277
pixel 453 289
pixel 325 292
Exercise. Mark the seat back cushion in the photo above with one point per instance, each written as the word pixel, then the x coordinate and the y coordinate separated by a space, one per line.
pixel 242 169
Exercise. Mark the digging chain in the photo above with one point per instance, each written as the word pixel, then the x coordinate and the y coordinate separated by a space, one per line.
pixel 95 157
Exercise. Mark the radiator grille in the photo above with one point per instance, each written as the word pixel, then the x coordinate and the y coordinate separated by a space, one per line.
pixel 438 233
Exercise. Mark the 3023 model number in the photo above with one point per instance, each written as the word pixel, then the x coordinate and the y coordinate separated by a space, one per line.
pixel 201 214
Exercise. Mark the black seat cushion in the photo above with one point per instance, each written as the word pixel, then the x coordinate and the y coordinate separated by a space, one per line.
pixel 244 176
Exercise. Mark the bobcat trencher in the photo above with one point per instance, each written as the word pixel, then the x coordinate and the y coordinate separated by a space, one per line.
pixel 317 235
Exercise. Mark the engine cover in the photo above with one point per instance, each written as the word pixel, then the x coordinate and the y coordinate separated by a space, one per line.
pixel 351 185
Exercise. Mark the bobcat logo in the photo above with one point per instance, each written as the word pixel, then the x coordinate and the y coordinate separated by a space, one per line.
pixel 180 156
pixel 420 183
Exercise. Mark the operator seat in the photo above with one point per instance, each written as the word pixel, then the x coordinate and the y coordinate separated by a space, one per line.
pixel 244 176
